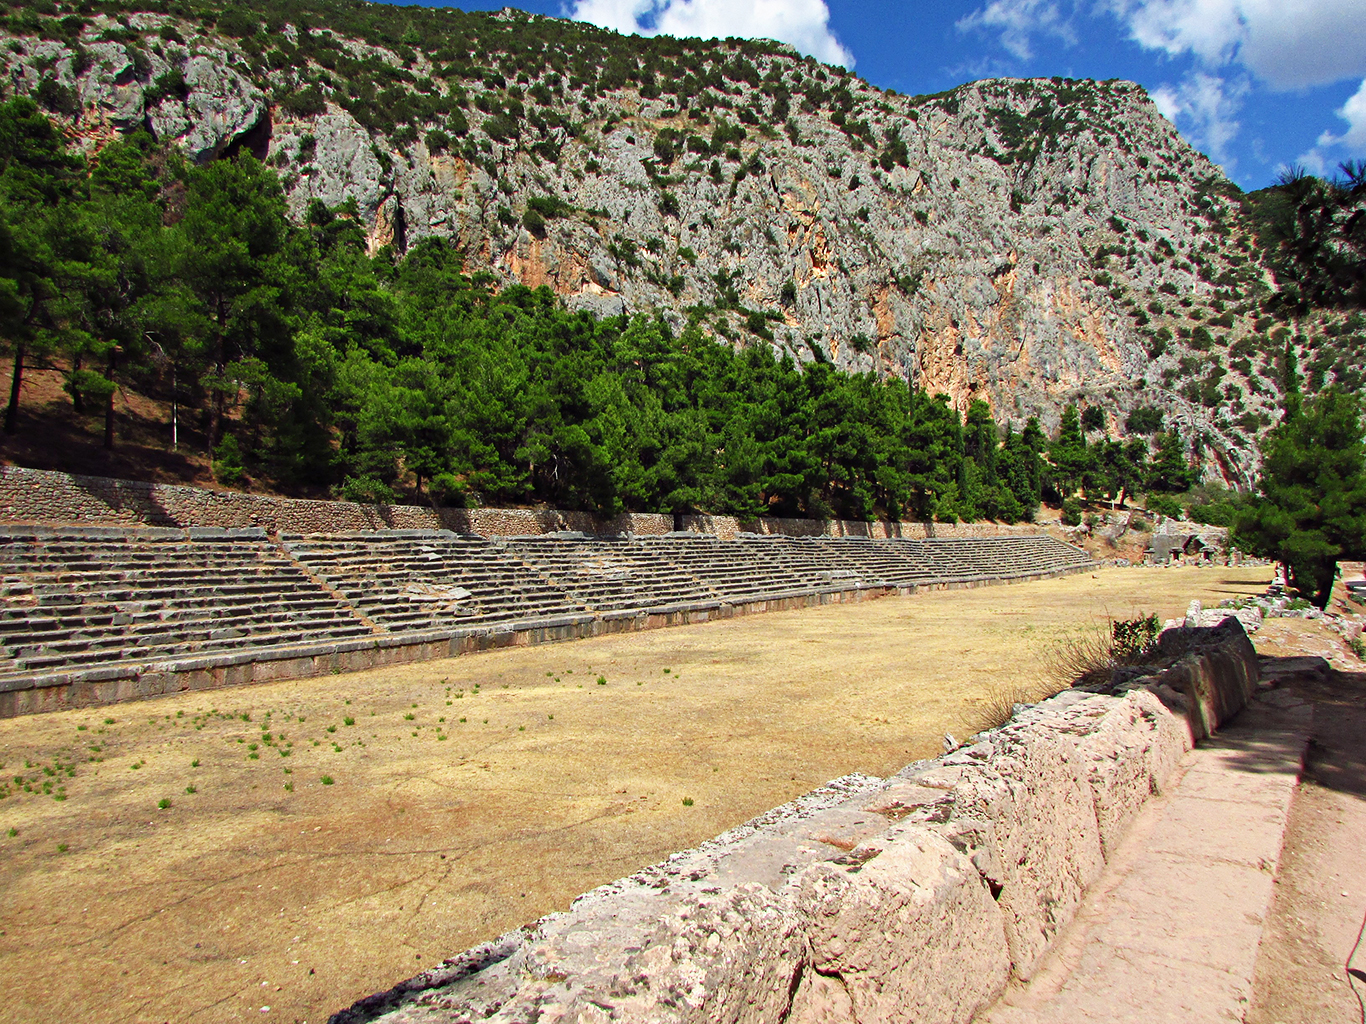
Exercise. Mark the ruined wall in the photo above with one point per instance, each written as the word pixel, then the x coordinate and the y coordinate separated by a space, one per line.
pixel 916 897
pixel 40 496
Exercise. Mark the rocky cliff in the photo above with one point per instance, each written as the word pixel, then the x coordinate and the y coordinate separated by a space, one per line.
pixel 1029 242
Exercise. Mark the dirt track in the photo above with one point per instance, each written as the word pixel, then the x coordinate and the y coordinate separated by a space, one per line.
pixel 469 796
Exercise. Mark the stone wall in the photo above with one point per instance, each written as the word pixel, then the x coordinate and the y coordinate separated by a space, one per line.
pixel 917 897
pixel 40 496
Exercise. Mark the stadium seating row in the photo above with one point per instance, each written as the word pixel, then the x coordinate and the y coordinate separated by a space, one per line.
pixel 75 598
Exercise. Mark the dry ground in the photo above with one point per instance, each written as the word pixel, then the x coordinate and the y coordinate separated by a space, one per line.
pixel 469 796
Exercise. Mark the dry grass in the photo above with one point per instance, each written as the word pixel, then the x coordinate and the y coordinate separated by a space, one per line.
pixel 997 705
pixel 1084 656
pixel 268 888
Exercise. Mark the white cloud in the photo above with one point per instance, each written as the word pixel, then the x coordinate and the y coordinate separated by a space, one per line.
pixel 804 24
pixel 1206 107
pixel 1351 143
pixel 1289 44
pixel 1354 113
pixel 1168 102
pixel 1018 21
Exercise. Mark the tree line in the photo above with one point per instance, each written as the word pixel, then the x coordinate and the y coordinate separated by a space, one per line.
pixel 308 363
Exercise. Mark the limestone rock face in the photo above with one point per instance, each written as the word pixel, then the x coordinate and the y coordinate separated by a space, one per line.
pixel 221 106
pixel 1035 243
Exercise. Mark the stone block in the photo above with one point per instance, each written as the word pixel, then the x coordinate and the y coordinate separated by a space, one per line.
pixel 1020 807
pixel 902 929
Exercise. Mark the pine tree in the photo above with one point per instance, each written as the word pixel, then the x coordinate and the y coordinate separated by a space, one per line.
pixel 1312 511
pixel 1069 455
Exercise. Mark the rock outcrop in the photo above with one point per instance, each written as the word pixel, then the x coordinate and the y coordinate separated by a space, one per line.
pixel 1031 243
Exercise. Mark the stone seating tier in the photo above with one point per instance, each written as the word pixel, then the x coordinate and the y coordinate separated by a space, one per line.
pixel 87 597
pixel 78 598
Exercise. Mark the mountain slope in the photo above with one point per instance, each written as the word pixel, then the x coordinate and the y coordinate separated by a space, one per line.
pixel 1028 242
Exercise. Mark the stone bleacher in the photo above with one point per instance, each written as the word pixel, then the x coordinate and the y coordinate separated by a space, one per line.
pixel 82 602
pixel 81 598
pixel 612 575
pixel 429 579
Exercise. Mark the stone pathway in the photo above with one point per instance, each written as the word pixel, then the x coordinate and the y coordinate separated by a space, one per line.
pixel 1171 931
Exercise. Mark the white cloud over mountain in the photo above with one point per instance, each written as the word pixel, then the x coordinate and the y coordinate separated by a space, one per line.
pixel 1207 106
pixel 1282 44
pixel 1288 44
pixel 1018 21
pixel 804 24
pixel 1350 144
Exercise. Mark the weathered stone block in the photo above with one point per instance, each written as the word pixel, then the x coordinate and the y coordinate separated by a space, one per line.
pixel 1019 806
pixel 904 930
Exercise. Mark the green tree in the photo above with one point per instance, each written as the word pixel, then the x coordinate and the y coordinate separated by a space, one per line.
pixel 1170 472
pixel 41 245
pixel 232 261
pixel 1069 455
pixel 1312 508
pixel 122 296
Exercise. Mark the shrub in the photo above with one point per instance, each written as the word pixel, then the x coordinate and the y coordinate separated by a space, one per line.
pixel 237 23
pixel 1134 639
pixel 446 490
pixel 366 490
pixel 1144 420
pixel 1088 657
pixel 304 103
pixel 227 462
pixel 170 85
pixel 534 222
pixel 1071 512
pixel 1164 505
pixel 58 98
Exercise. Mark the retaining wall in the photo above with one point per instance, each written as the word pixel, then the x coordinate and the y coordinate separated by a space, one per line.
pixel 913 898
pixel 42 496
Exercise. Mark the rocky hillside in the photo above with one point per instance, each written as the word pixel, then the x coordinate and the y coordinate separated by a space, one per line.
pixel 1029 242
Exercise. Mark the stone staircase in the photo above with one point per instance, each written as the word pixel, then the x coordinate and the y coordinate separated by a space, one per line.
pixel 90 602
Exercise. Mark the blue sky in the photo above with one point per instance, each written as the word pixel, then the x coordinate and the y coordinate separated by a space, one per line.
pixel 1256 84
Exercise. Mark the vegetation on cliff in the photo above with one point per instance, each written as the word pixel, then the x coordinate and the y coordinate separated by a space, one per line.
pixel 311 362
pixel 1030 243
pixel 811 263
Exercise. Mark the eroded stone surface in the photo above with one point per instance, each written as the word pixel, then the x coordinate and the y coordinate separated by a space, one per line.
pixel 908 890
